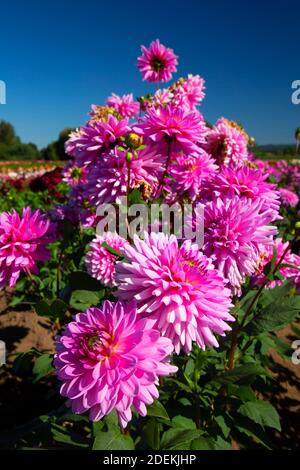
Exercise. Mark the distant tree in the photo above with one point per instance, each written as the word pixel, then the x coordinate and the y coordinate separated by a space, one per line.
pixel 297 137
pixel 56 150
pixel 7 134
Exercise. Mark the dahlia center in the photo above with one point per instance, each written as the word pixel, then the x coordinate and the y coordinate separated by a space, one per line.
pixel 157 64
pixel 99 345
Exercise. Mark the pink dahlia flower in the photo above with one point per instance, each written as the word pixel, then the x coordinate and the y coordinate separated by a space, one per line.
pixel 227 143
pixel 157 63
pixel 124 105
pixel 107 358
pixel 288 198
pixel 73 174
pixel 162 97
pixel 188 173
pixel 100 263
pixel 189 92
pixel 88 143
pixel 286 271
pixel 246 182
pixel 235 231
pixel 173 125
pixel 108 180
pixel 177 287
pixel 23 243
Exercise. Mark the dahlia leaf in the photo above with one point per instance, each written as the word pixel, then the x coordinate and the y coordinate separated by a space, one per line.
pixel 245 373
pixel 276 315
pixel 42 367
pixel 262 413
pixel 83 299
pixel 202 443
pixel 179 438
pixel 152 433
pixel 113 440
pixel 112 251
pixel 157 410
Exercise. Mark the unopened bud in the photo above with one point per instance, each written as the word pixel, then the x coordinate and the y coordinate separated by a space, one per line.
pixel 133 140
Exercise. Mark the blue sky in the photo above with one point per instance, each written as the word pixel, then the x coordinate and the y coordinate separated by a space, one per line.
pixel 58 57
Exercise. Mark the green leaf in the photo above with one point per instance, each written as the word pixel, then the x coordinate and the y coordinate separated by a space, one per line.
pixel 183 422
pixel 275 316
pixel 112 251
pixel 42 367
pixel 157 410
pixel 245 373
pixel 222 425
pixel 202 443
pixel 179 438
pixel 69 438
pixel 152 433
pixel 83 299
pixel 262 413
pixel 244 392
pixel 113 439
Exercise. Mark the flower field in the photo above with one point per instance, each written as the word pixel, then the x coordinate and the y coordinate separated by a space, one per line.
pixel 126 329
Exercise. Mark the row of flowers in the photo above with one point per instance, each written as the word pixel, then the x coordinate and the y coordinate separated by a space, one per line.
pixel 168 294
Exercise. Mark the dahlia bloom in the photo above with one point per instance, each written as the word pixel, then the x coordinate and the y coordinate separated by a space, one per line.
pixel 286 271
pixel 108 180
pixel 227 143
pixel 177 287
pixel 73 174
pixel 88 143
pixel 189 92
pixel 188 173
pixel 23 243
pixel 124 105
pixel 246 182
pixel 172 124
pixel 235 231
pixel 100 263
pixel 162 97
pixel 288 198
pixel 157 63
pixel 107 358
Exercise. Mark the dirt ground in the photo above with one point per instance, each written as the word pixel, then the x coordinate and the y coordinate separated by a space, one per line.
pixel 20 401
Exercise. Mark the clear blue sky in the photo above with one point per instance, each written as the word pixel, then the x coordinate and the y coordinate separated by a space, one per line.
pixel 58 57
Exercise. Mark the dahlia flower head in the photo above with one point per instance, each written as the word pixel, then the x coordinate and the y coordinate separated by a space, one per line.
pixel 88 142
pixel 245 182
pixel 189 92
pixel 23 242
pixel 187 175
pixel 236 230
pixel 157 62
pixel 166 124
pixel 177 287
pixel 124 105
pixel 74 175
pixel 227 143
pixel 100 263
pixel 288 198
pixel 288 272
pixel 110 358
pixel 108 179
